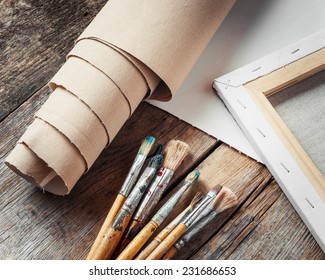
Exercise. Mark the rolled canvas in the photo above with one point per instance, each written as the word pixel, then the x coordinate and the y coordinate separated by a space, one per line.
pixel 131 51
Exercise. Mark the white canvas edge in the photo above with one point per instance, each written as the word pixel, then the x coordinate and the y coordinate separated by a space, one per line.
pixel 294 183
pixel 274 61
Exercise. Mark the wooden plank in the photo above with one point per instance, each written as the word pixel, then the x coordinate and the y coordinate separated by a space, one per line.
pixel 34 39
pixel 43 226
pixel 36 225
pixel 227 167
pixel 266 227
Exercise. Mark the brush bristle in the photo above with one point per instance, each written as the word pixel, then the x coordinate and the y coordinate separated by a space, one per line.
pixel 196 199
pixel 224 200
pixel 193 177
pixel 175 152
pixel 146 145
pixel 156 161
pixel 216 189
pixel 158 150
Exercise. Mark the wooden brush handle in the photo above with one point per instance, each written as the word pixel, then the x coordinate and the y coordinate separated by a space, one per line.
pixel 147 250
pixel 100 239
pixel 170 253
pixel 163 234
pixel 138 241
pixel 153 244
pixel 114 234
pixel 131 232
pixel 167 243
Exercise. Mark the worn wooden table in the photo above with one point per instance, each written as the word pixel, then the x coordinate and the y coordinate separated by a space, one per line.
pixel 35 36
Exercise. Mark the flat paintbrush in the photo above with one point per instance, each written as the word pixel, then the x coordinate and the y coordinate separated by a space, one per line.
pixel 129 182
pixel 165 231
pixel 174 154
pixel 225 200
pixel 184 224
pixel 143 236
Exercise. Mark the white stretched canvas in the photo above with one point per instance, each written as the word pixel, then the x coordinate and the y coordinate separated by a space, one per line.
pixel 304 187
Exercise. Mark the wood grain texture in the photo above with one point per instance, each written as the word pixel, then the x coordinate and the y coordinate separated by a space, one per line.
pixel 242 175
pixel 265 223
pixel 38 225
pixel 34 38
pixel 226 167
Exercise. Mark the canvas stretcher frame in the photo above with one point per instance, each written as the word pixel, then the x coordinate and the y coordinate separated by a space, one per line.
pixel 244 92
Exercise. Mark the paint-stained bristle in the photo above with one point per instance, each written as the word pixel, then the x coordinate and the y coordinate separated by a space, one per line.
pixel 156 161
pixel 216 189
pixel 196 199
pixel 146 146
pixel 158 150
pixel 224 200
pixel 192 177
pixel 175 152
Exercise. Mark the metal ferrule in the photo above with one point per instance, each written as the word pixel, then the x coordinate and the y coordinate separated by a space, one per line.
pixel 153 194
pixel 141 186
pixel 164 211
pixel 190 218
pixel 118 220
pixel 179 244
pixel 132 175
pixel 202 220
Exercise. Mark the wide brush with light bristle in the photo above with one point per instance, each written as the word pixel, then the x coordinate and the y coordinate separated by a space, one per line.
pixel 174 154
pixel 225 200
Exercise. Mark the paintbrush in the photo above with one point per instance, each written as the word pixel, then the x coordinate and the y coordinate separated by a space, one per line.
pixel 142 237
pixel 174 154
pixel 225 200
pixel 164 232
pixel 184 224
pixel 131 177
pixel 114 233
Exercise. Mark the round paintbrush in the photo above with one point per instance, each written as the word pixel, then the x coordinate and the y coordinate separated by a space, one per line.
pixel 225 200
pixel 96 249
pixel 184 224
pixel 174 154
pixel 143 236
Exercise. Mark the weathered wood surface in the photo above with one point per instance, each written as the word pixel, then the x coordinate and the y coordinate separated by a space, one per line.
pixel 34 37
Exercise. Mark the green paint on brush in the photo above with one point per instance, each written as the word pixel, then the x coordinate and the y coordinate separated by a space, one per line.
pixel 137 164
pixel 146 146
pixel 193 176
